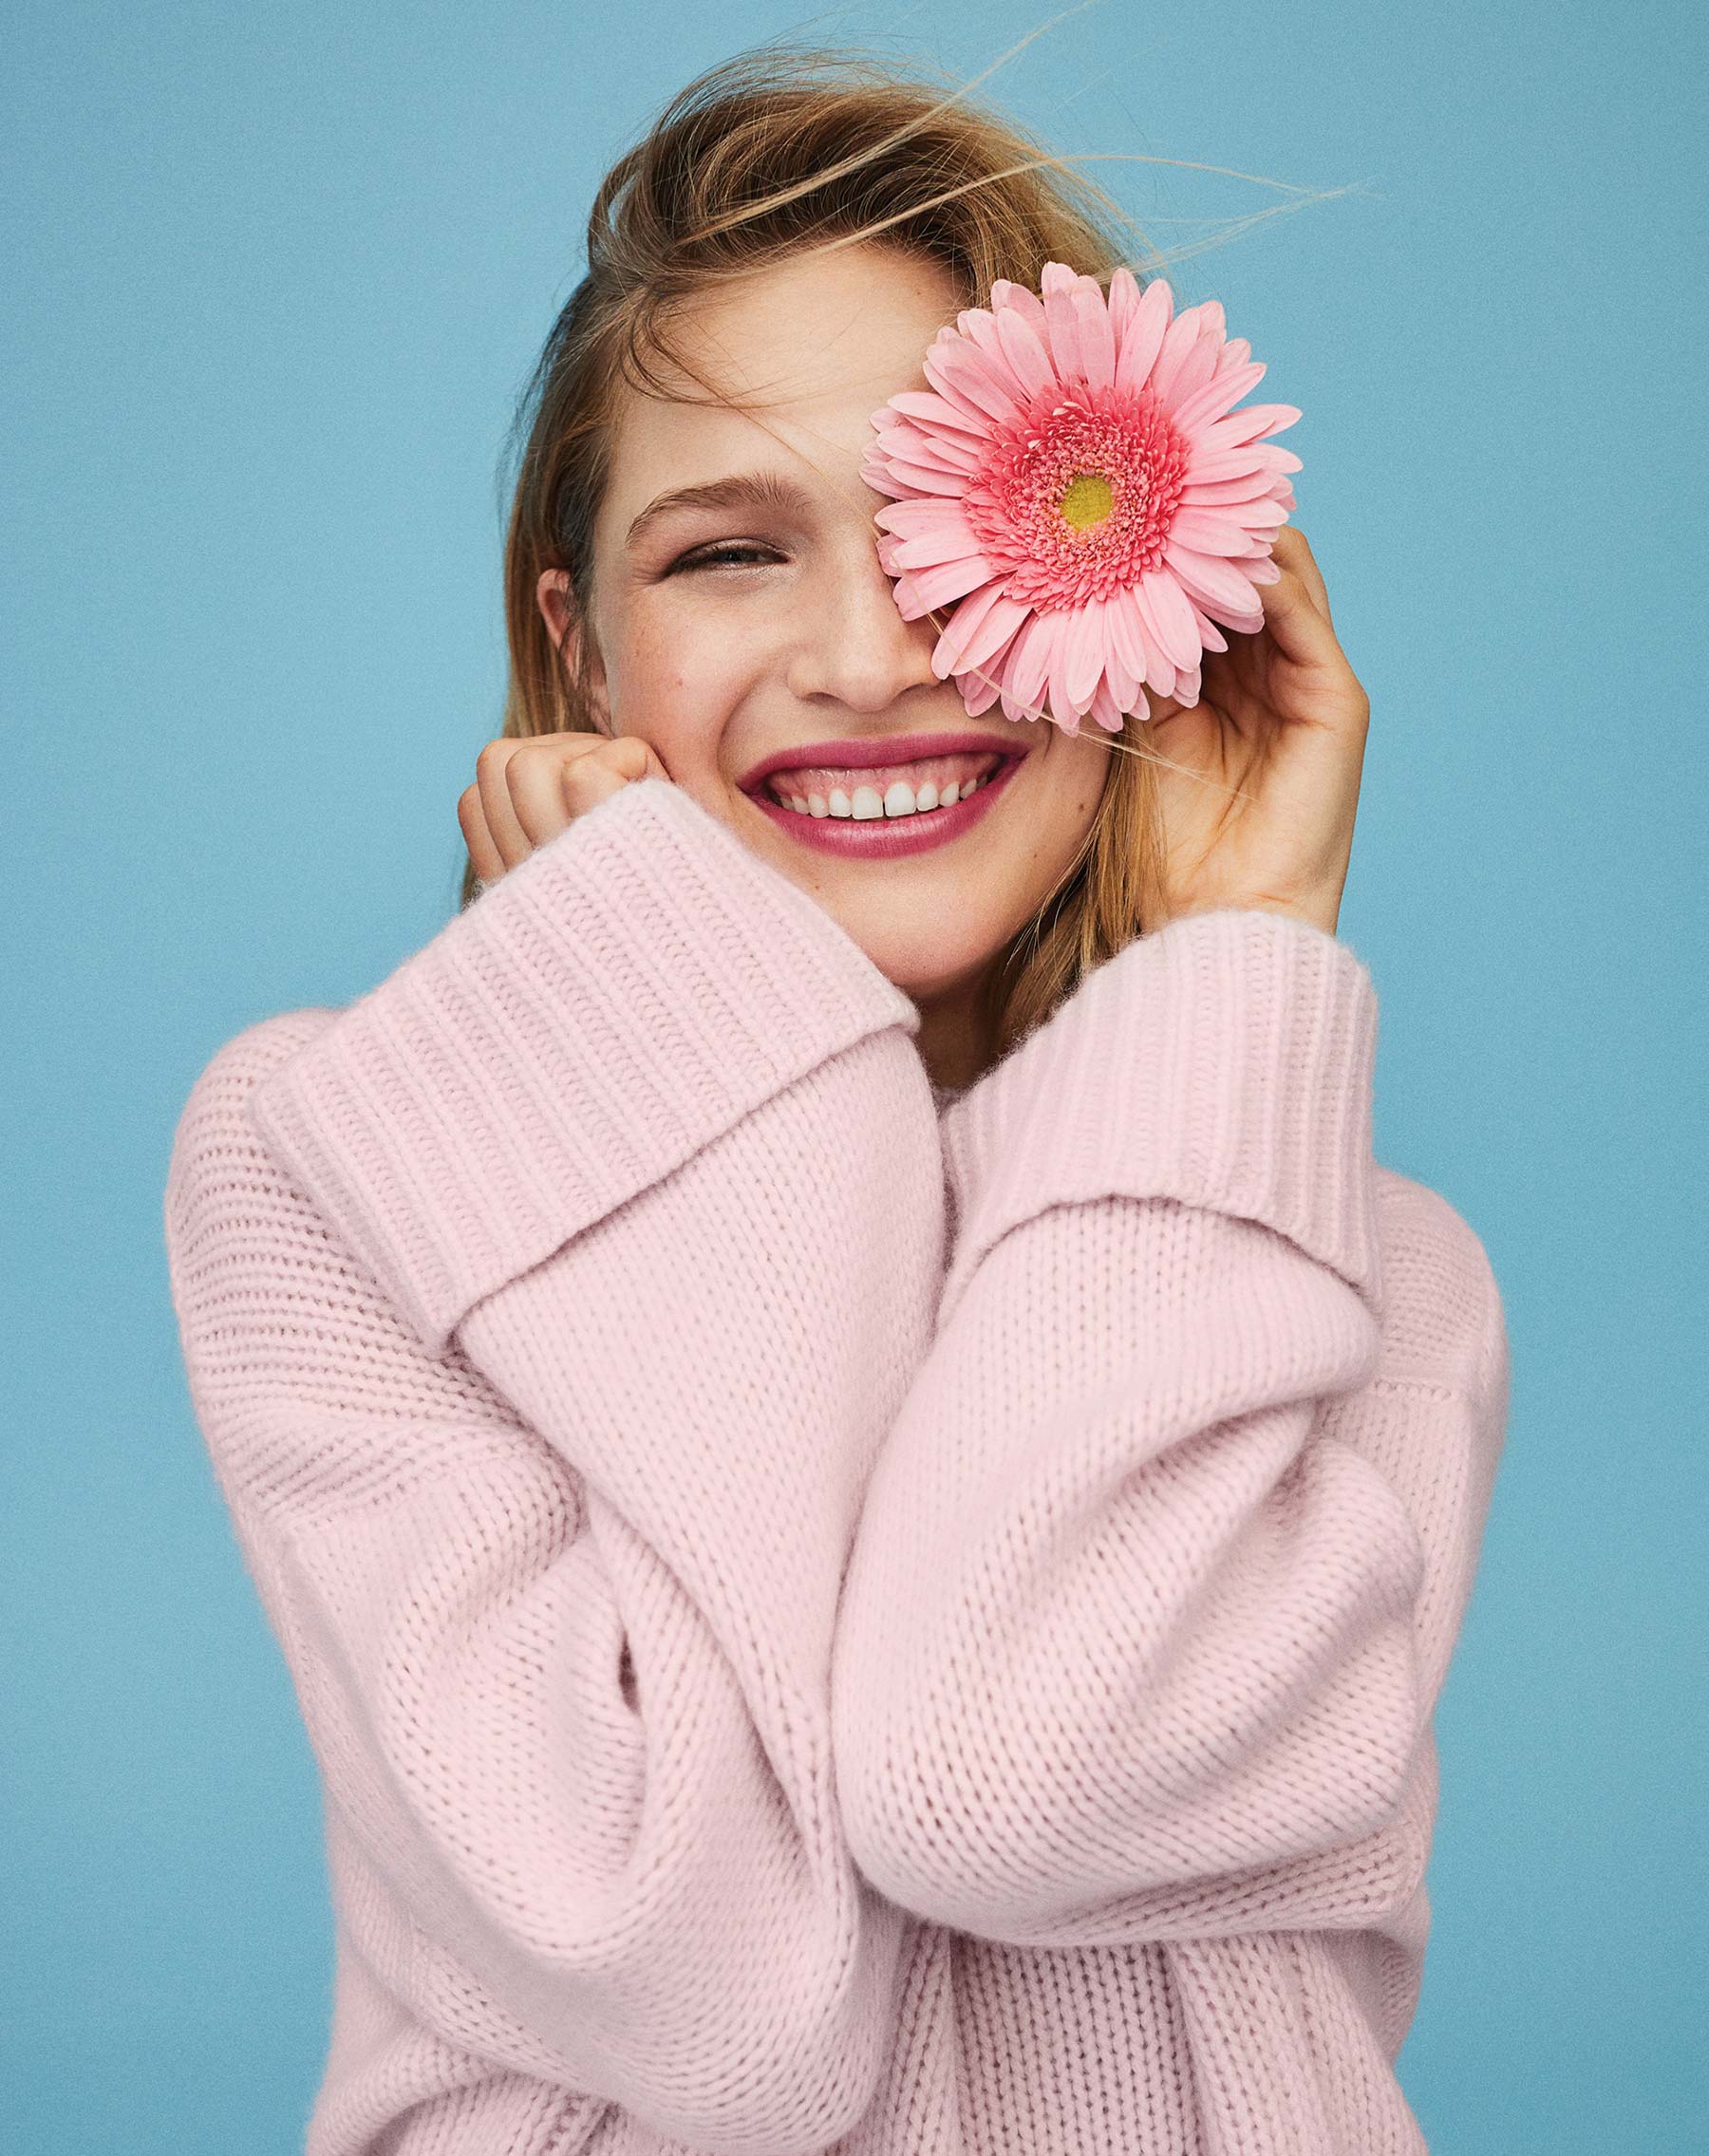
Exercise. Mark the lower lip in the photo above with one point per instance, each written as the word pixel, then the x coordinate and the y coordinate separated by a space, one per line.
pixel 885 839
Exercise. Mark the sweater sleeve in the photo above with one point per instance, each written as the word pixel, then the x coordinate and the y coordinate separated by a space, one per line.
pixel 1143 1626
pixel 542 1311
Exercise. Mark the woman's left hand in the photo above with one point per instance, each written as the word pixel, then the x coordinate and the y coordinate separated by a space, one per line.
pixel 1282 718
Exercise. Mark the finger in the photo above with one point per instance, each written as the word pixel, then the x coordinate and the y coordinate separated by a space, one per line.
pixel 497 808
pixel 535 778
pixel 1299 628
pixel 483 854
pixel 1293 550
pixel 617 764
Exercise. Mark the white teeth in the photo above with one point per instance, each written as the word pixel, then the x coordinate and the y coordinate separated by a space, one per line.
pixel 866 802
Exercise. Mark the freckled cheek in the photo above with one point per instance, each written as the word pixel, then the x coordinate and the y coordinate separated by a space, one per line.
pixel 679 688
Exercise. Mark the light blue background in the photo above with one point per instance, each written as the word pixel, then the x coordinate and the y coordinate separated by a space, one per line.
pixel 275 276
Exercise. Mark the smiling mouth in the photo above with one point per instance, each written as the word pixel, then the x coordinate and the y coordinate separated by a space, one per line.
pixel 925 786
pixel 846 816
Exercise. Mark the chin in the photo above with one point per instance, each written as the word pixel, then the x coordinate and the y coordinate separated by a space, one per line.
pixel 924 971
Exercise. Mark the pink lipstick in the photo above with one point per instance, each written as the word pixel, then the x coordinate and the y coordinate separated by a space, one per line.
pixel 887 838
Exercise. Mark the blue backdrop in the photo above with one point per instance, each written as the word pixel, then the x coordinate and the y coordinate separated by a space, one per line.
pixel 276 279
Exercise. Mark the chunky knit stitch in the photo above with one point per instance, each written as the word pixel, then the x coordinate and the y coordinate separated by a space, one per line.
pixel 831 1615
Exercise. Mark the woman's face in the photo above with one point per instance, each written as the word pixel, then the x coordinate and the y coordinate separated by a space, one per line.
pixel 728 632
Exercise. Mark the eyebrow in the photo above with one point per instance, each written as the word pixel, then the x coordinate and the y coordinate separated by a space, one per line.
pixel 741 489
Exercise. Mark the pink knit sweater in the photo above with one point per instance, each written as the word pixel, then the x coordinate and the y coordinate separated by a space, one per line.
pixel 824 1623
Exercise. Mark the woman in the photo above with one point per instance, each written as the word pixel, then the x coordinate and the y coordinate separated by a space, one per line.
pixel 867 1488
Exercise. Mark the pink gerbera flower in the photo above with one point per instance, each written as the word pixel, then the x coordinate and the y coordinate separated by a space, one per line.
pixel 1076 480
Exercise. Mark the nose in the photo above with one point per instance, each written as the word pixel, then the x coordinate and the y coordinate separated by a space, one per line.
pixel 853 644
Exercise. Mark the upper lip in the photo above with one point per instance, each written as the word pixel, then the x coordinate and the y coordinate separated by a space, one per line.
pixel 862 751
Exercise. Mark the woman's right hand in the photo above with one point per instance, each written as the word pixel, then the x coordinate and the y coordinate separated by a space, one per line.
pixel 527 790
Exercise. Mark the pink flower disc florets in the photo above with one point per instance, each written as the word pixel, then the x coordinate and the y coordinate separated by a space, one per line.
pixel 1073 501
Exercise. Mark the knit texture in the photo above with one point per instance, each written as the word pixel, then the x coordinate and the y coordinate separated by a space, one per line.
pixel 832 1614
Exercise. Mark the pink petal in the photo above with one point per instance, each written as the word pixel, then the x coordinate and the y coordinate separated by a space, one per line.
pixel 1159 670
pixel 1083 653
pixel 1026 349
pixel 978 695
pixel 936 585
pixel 1178 340
pixel 963 621
pixel 1221 462
pixel 992 635
pixel 1096 339
pixel 1173 618
pixel 1211 635
pixel 937 446
pixel 978 630
pixel 1106 711
pixel 1265 515
pixel 937 451
pixel 1029 667
pixel 975 418
pixel 1213 582
pixel 1250 486
pixel 1212 531
pixel 1158 667
pixel 908 519
pixel 1126 637
pixel 920 479
pixel 879 476
pixel 984 333
pixel 1065 707
pixel 937 412
pixel 1121 680
pixel 1123 299
pixel 1062 317
pixel 1006 295
pixel 945 537
pixel 1247 426
pixel 1266 571
pixel 1215 396
pixel 1234 353
pixel 1144 338
pixel 956 367
pixel 933 551
pixel 1194 371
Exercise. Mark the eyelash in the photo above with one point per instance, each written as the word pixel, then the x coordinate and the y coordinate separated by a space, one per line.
pixel 705 557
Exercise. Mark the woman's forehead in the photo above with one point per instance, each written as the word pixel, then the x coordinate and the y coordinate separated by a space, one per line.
pixel 808 329
pixel 813 346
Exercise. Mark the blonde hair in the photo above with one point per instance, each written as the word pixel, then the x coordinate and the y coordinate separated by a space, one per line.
pixel 778 153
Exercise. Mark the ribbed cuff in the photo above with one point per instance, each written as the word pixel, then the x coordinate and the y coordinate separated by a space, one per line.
pixel 620 999
pixel 1225 1061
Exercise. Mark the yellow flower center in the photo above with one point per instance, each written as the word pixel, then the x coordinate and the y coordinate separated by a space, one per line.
pixel 1088 500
